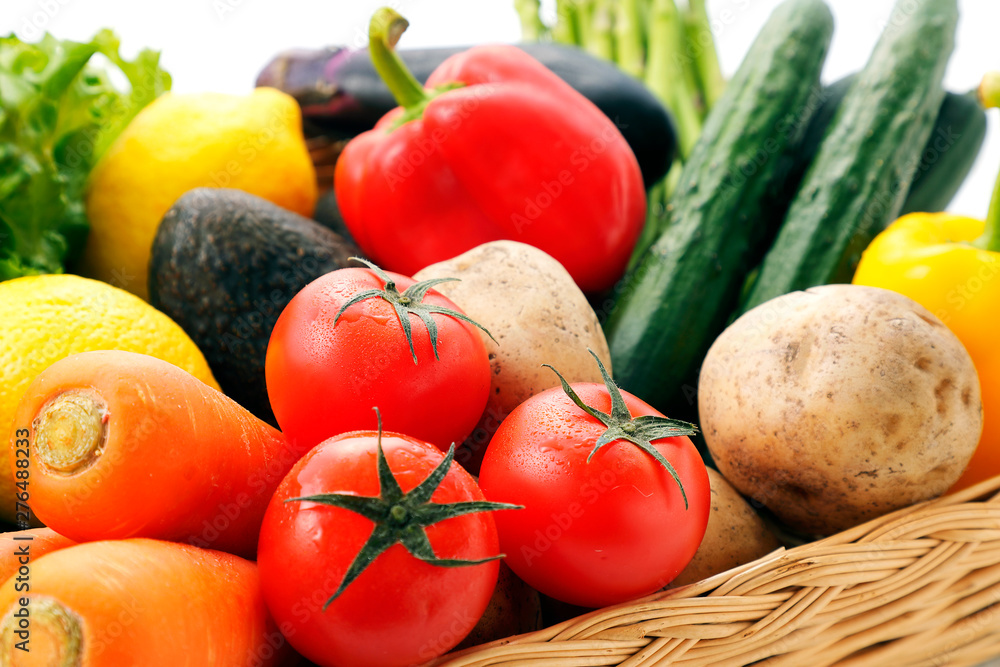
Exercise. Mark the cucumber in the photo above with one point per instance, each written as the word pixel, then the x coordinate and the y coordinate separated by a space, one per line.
pixel 852 191
pixel 669 309
pixel 947 158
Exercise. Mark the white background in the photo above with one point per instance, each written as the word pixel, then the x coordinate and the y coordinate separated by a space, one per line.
pixel 220 45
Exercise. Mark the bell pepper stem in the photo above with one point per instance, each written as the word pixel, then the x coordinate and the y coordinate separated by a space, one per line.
pixel 384 31
pixel 990 240
pixel 989 95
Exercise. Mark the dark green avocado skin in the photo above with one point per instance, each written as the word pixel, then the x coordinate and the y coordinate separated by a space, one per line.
pixel 224 265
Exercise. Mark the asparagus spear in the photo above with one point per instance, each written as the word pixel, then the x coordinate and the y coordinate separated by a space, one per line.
pixel 584 12
pixel 532 28
pixel 701 44
pixel 629 38
pixel 602 33
pixel 592 19
pixel 567 27
pixel 665 73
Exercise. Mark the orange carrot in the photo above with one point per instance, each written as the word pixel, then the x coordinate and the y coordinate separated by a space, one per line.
pixel 138 602
pixel 25 546
pixel 126 445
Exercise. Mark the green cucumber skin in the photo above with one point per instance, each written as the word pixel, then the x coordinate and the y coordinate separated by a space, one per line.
pixel 955 142
pixel 668 311
pixel 851 190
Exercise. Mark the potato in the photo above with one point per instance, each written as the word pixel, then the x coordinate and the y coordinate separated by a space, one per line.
pixel 735 535
pixel 537 314
pixel 514 609
pixel 839 404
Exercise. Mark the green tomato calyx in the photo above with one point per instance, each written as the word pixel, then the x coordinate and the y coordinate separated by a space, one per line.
pixel 409 303
pixel 400 518
pixel 640 431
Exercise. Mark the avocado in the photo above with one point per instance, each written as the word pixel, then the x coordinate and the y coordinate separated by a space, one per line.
pixel 224 265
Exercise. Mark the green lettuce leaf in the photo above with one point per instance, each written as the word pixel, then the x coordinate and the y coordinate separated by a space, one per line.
pixel 58 114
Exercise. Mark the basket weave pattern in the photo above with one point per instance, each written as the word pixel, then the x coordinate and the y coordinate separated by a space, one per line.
pixel 920 586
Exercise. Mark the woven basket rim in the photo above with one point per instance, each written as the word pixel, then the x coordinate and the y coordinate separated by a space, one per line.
pixel 920 583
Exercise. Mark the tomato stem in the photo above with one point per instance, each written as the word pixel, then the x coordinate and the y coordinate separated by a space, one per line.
pixel 401 518
pixel 640 431
pixel 409 303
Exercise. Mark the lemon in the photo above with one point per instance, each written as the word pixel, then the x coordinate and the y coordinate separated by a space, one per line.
pixel 180 142
pixel 46 318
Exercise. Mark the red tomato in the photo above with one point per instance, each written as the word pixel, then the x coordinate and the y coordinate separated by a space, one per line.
pixel 323 378
pixel 400 610
pixel 598 533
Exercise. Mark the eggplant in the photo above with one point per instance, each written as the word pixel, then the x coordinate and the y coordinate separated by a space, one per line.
pixel 341 94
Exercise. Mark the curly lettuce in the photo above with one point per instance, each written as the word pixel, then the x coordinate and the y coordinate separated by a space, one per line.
pixel 58 114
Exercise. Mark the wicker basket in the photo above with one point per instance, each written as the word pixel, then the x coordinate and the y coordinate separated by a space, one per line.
pixel 920 586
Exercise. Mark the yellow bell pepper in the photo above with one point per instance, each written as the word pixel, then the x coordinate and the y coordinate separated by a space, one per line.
pixel 950 264
pixel 930 258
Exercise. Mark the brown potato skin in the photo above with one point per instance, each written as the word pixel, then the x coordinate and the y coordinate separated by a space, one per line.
pixel 514 609
pixel 735 535
pixel 537 314
pixel 839 404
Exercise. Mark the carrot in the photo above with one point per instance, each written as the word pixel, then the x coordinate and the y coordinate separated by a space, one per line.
pixel 22 547
pixel 138 602
pixel 126 445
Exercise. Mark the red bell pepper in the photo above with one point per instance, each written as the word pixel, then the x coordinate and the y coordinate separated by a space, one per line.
pixel 496 147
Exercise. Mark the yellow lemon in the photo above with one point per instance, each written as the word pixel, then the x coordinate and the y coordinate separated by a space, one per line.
pixel 180 142
pixel 46 318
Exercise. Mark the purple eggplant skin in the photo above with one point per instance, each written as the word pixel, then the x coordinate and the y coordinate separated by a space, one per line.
pixel 341 94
